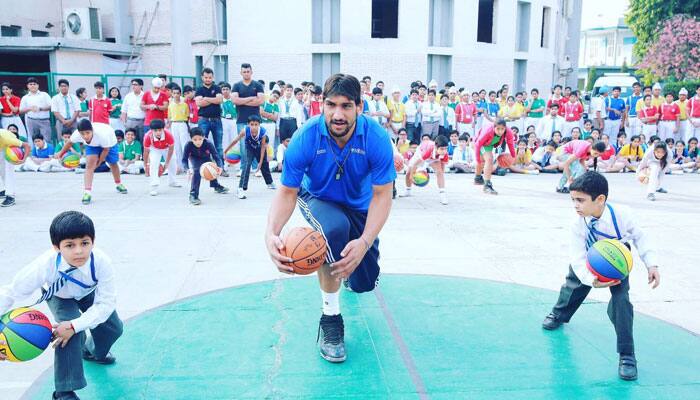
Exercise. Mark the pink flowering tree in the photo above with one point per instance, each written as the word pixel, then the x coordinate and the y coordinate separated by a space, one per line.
pixel 676 53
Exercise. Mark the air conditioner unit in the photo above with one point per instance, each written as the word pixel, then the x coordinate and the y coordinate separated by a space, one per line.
pixel 82 23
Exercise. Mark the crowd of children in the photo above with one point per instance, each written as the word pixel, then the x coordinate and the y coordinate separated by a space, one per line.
pixel 537 131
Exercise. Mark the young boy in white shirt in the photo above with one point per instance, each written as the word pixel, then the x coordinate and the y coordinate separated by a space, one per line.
pixel 77 282
pixel 100 146
pixel 462 157
pixel 597 219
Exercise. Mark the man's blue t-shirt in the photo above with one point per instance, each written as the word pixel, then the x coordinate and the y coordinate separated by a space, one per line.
pixel 616 104
pixel 312 158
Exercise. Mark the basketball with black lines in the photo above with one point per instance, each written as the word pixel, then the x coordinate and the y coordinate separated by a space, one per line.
pixel 26 332
pixel 307 248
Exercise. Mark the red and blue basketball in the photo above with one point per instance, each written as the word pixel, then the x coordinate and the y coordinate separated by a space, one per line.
pixel 233 156
pixel 27 333
pixel 421 178
pixel 14 155
pixel 71 160
pixel 609 260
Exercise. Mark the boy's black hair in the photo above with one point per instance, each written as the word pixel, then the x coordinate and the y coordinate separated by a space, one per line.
pixel 32 80
pixel 402 130
pixel 670 140
pixel 535 91
pixel 175 86
pixel 119 133
pixel 441 141
pixel 80 91
pixel 277 92
pixel 586 121
pixel 196 131
pixel 297 90
pixel 432 91
pixel 377 90
pixel 253 118
pixel 84 125
pixel 554 105
pixel 591 183
pixel 187 89
pixel 317 90
pixel 501 122
pixel 138 81
pixel 616 88
pixel 99 84
pixel 621 134
pixel 653 138
pixel 559 132
pixel 413 142
pixel 454 132
pixel 413 91
pixel 464 136
pixel 424 135
pixel 37 136
pixel 226 85
pixel 132 130
pixel 246 66
pixel 207 70
pixel 599 146
pixel 157 124
pixel 67 130
pixel 63 82
pixel 71 225
pixel 523 141
pixel 552 143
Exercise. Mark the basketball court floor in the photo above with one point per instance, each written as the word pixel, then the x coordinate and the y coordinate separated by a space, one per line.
pixel 457 314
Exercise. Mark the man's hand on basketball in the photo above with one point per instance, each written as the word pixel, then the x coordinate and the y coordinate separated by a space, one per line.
pixel 600 285
pixel 3 357
pixel 654 277
pixel 62 334
pixel 275 247
pixel 352 254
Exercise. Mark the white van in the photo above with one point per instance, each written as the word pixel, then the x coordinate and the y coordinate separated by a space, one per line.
pixel 624 81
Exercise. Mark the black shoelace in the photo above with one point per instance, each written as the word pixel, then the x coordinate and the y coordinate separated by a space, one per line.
pixel 333 329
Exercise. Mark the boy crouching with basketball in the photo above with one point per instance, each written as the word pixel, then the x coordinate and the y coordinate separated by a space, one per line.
pixel 598 220
pixel 198 151
pixel 77 281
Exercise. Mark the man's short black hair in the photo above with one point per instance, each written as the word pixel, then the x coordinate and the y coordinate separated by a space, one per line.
pixel 246 66
pixel 63 82
pixel 298 90
pixel 37 136
pixel 132 130
pixel 119 133
pixel 616 88
pixel 441 141
pixel 343 85
pixel 377 90
pixel 137 81
pixel 253 118
pixel 71 225
pixel 534 91
pixel 157 124
pixel 207 70
pixel 196 131
pixel 636 84
pixel 592 184
pixel 84 125
pixel 32 79
pixel 432 91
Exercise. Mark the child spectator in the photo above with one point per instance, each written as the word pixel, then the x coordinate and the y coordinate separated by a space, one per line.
pixel 532 142
pixel 197 152
pixel 573 111
pixel 453 143
pixel 523 163
pixel 159 144
pixel 693 152
pixel 269 113
pixel 621 140
pixel 81 296
pixel 648 116
pixel 598 219
pixel 41 159
pixel 255 139
pixel 652 169
pixel 607 161
pixel 545 157
pixel 178 115
pixel 115 98
pixel 100 106
pixel 669 123
pixel 587 130
pixel 680 161
pixel 576 133
pixel 193 120
pixel 573 160
pixel 278 163
pixel 465 115
pixel 403 144
pixel 463 157
pixel 631 154
pixel 130 154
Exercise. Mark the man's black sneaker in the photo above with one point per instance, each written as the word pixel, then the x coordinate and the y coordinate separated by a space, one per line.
pixel 478 180
pixel 661 190
pixel 195 201
pixel 488 188
pixel 551 322
pixel 331 338
pixel 2 193
pixel 65 396
pixel 9 201
pixel 628 367
pixel 221 189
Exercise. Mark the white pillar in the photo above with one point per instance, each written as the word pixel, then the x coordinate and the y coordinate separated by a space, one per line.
pixel 181 45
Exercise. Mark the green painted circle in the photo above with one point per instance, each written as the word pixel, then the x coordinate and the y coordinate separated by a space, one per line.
pixel 468 339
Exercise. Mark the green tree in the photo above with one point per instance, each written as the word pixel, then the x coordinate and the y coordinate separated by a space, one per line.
pixel 592 76
pixel 645 17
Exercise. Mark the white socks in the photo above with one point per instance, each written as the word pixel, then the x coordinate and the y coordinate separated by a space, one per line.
pixel 331 303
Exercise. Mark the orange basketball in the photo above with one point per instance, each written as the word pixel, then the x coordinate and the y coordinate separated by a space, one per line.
pixel 505 160
pixel 307 248
pixel 398 162
pixel 209 171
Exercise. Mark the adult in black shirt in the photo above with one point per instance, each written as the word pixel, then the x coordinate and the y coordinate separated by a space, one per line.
pixel 248 95
pixel 208 98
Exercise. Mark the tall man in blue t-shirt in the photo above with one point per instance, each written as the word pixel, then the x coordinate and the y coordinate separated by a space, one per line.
pixel 339 169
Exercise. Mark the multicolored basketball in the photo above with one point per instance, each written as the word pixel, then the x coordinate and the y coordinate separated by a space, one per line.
pixel 505 160
pixel 398 162
pixel 14 155
pixel 71 160
pixel 233 156
pixel 307 248
pixel 27 333
pixel 609 260
pixel 209 171
pixel 421 178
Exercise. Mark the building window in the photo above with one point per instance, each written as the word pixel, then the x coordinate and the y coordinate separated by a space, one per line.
pixel 544 35
pixel 439 68
pixel 221 18
pixel 324 65
pixel 326 21
pixel 10 30
pixel 385 19
pixel 220 68
pixel 522 38
pixel 440 23
pixel 39 33
pixel 487 19
pixel 519 75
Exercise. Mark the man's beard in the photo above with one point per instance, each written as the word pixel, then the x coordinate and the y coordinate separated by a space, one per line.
pixel 345 131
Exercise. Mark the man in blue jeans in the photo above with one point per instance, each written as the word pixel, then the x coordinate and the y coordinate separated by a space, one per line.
pixel 248 95
pixel 209 98
pixel 339 169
